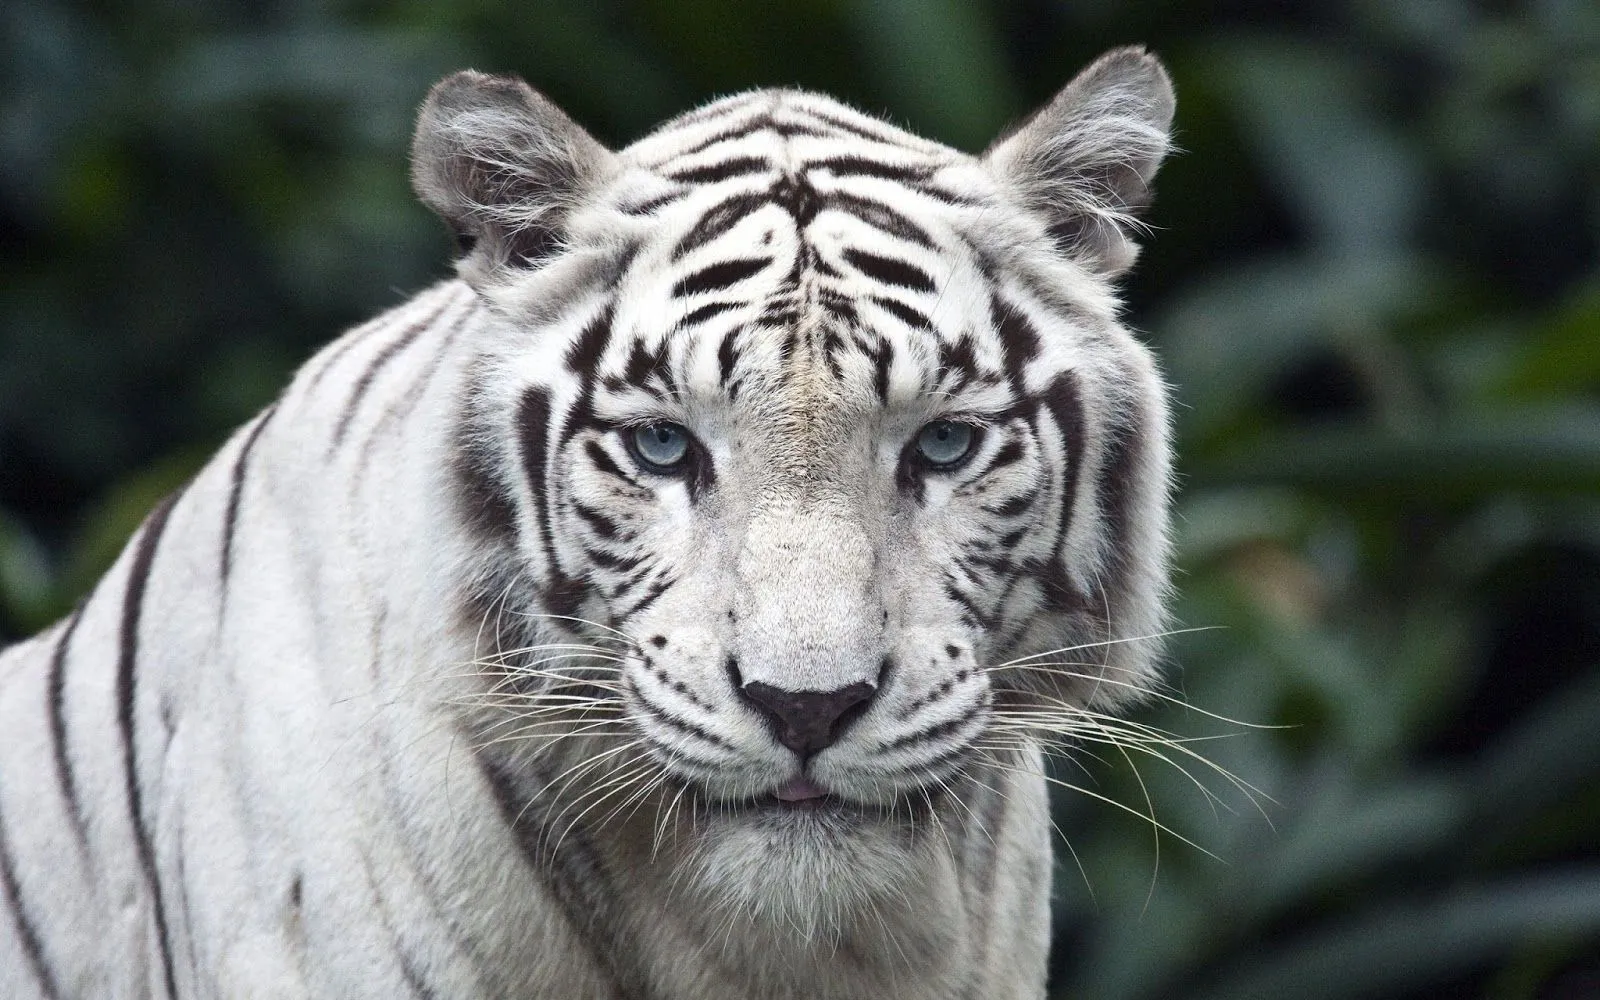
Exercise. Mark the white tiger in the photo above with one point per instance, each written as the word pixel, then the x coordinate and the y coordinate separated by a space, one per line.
pixel 636 616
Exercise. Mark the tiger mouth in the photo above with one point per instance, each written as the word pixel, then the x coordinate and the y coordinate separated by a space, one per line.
pixel 903 810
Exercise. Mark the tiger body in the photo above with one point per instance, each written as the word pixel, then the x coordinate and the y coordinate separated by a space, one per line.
pixel 435 682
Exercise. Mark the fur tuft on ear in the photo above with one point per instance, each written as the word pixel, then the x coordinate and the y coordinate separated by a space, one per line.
pixel 1085 160
pixel 502 166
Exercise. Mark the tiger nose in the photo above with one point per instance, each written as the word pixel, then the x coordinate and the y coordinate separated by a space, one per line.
pixel 809 721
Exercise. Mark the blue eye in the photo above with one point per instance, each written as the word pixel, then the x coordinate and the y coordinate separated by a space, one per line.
pixel 944 443
pixel 660 447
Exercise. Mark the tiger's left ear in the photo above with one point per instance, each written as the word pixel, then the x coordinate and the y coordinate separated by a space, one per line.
pixel 1084 162
pixel 504 167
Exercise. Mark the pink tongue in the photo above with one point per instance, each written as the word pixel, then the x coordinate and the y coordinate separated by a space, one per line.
pixel 799 790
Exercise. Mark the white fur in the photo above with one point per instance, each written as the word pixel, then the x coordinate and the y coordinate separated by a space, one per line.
pixel 328 734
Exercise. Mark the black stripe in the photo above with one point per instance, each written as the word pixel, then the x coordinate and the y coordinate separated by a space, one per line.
pixel 797 197
pixel 984 836
pixel 533 431
pixel 727 358
pixel 1016 505
pixel 885 134
pixel 738 166
pixel 880 216
pixel 702 313
pixel 398 409
pixel 717 221
pixel 58 730
pixel 1019 341
pixel 970 612
pixel 408 966
pixel 1065 404
pixel 861 166
pixel 1125 450
pixel 585 353
pixel 889 270
pixel 882 363
pixel 27 933
pixel 132 612
pixel 643 365
pixel 571 870
pixel 719 275
pixel 606 559
pixel 650 205
pixel 907 315
pixel 604 464
pixel 385 354
pixel 230 520
pixel 1007 454
pixel 958 363
pixel 748 127
pixel 600 524
pixel 658 588
pixel 483 500
pixel 927 734
pixel 372 328
pixel 674 721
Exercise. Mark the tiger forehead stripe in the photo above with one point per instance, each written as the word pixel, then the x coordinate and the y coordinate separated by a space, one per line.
pixel 729 515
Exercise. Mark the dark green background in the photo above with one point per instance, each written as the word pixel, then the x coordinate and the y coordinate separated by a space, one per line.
pixel 1373 282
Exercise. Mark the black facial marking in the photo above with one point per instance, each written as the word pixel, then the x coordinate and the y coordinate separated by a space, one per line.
pixel 737 166
pixel 649 597
pixel 882 363
pixel 889 270
pixel 753 125
pixel 604 464
pixel 718 221
pixel 700 314
pixel 880 216
pixel 533 435
pixel 643 364
pixel 1016 505
pixel 652 205
pixel 718 276
pixel 958 363
pixel 1065 405
pixel 797 197
pixel 906 314
pixel 1124 453
pixel 601 524
pixel 1018 339
pixel 585 353
pixel 861 166
pixel 727 355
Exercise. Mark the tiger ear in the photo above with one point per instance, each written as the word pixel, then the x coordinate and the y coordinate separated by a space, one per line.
pixel 503 167
pixel 1085 160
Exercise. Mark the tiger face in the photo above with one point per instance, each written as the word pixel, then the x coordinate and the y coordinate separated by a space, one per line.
pixel 821 426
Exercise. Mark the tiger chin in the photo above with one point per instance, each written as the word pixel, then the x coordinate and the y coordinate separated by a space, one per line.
pixel 672 605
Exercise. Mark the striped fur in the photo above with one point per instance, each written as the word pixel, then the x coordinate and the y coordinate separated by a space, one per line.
pixel 434 684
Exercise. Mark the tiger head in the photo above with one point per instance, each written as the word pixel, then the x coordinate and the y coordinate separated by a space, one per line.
pixel 831 433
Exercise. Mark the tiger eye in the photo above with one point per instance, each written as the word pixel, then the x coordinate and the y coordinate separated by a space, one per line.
pixel 944 443
pixel 661 446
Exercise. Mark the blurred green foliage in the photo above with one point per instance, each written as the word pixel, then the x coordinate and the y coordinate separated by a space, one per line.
pixel 1373 282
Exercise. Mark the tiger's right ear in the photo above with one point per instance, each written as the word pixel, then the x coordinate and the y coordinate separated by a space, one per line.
pixel 503 167
pixel 1084 162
